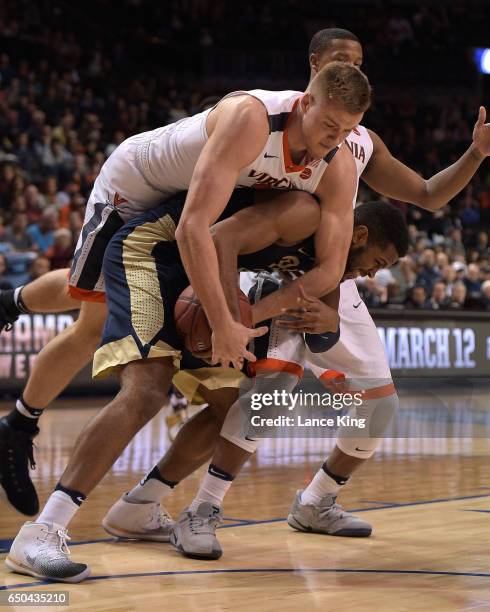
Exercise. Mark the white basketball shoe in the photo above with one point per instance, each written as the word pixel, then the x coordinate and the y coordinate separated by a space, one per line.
pixel 40 550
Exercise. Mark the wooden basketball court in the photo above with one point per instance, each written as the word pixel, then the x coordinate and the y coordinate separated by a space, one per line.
pixel 427 498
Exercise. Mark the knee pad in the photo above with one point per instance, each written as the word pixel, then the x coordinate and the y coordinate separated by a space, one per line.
pixel 235 430
pixel 362 442
pixel 237 427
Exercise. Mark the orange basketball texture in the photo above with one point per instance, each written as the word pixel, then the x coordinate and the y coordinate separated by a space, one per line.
pixel 192 323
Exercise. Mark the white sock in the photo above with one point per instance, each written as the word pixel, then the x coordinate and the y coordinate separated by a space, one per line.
pixel 148 490
pixel 59 509
pixel 321 485
pixel 212 490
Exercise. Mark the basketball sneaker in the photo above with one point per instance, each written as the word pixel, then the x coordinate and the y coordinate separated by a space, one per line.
pixel 16 456
pixel 40 550
pixel 138 521
pixel 9 312
pixel 328 517
pixel 194 533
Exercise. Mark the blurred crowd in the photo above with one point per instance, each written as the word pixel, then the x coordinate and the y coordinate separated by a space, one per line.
pixel 65 105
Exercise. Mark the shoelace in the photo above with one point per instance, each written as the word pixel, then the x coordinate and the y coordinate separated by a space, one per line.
pixel 62 545
pixel 30 455
pixel 324 510
pixel 199 523
pixel 163 518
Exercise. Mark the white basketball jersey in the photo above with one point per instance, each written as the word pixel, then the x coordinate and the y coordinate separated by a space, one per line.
pixel 166 157
pixel 361 145
pixel 274 168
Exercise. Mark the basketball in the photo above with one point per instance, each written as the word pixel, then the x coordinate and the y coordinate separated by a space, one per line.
pixel 192 323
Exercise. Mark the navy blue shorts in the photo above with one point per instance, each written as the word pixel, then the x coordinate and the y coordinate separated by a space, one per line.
pixel 144 277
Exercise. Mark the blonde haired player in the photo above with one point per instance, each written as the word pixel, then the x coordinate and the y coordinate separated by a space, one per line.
pixel 359 354
pixel 285 140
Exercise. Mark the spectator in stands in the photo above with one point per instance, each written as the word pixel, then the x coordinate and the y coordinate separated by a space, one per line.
pixel 35 203
pixel 428 272
pixel 42 233
pixel 56 158
pixel 16 234
pixel 4 284
pixel 472 280
pixel 60 252
pixel 448 276
pixel 417 298
pixel 25 155
pixel 38 267
pixel 439 298
pixel 485 295
pixel 482 244
pixel 454 244
pixel 458 297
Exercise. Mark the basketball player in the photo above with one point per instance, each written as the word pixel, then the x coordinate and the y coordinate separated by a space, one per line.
pixel 274 139
pixel 140 321
pixel 278 368
pixel 379 169
pixel 359 354
pixel 275 128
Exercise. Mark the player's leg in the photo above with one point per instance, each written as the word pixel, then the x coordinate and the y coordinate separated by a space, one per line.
pixel 39 548
pixel 194 532
pixel 139 342
pixel 360 355
pixel 280 355
pixel 68 352
pixel 139 514
pixel 48 293
pixel 74 348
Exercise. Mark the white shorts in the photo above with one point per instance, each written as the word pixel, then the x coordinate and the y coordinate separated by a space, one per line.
pixel 359 353
pixel 120 192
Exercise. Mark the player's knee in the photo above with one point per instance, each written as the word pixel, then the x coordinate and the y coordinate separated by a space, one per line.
pixel 378 413
pixel 219 402
pixel 362 437
pixel 144 403
pixel 90 323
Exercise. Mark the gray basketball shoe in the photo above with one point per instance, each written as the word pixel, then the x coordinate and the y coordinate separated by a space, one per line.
pixel 328 517
pixel 194 532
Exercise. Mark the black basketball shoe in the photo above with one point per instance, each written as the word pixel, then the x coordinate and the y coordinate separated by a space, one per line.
pixel 16 456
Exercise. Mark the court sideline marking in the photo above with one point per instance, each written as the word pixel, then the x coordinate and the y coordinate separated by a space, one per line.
pixel 244 523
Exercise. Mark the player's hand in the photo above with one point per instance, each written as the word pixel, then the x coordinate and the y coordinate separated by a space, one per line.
pixel 311 316
pixel 481 133
pixel 230 344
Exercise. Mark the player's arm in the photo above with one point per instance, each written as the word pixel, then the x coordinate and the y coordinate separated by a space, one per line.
pixel 247 231
pixel 332 240
pixel 389 176
pixel 257 227
pixel 237 134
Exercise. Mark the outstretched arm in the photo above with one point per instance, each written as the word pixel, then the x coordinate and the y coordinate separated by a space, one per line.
pixel 390 177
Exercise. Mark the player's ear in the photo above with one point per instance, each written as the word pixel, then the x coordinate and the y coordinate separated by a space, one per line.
pixel 313 64
pixel 305 102
pixel 360 236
